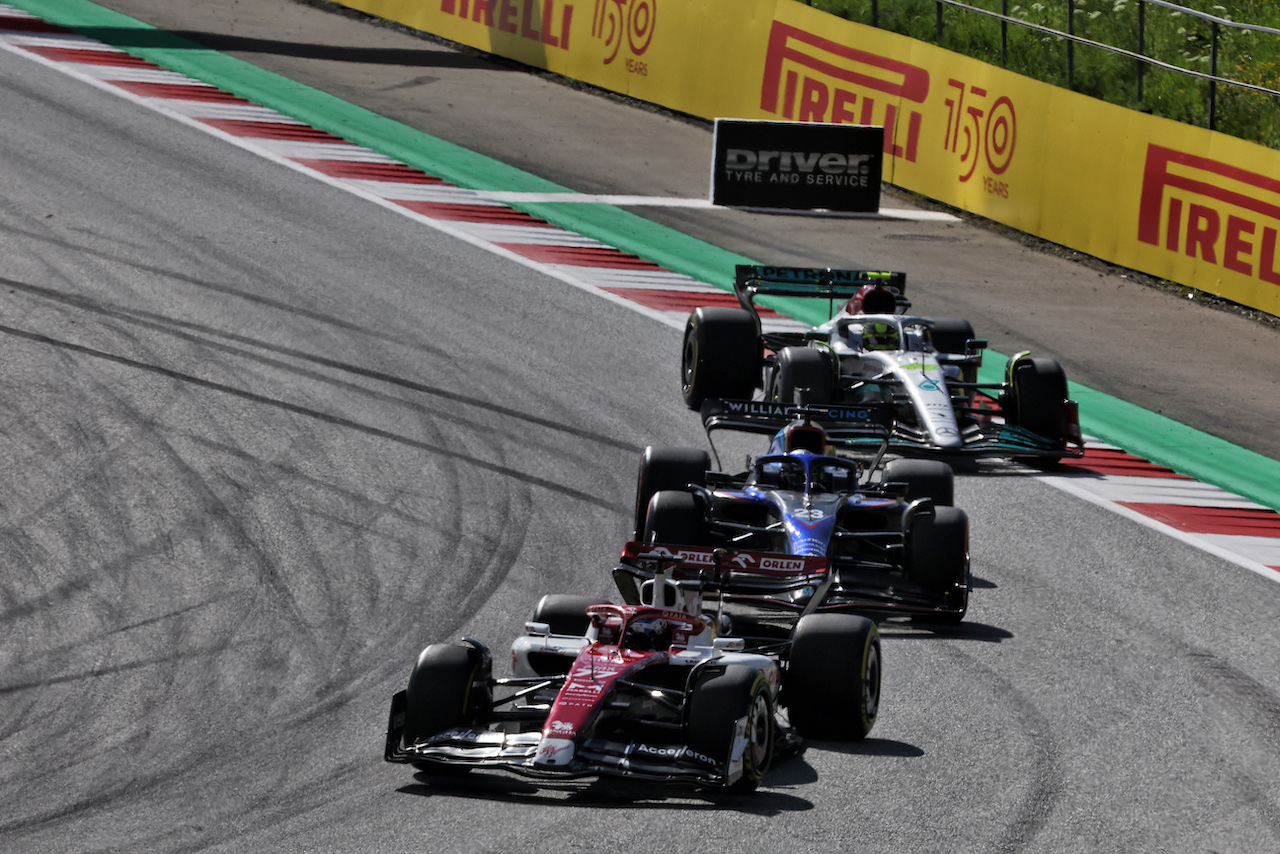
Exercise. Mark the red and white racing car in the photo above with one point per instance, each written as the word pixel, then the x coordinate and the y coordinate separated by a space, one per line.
pixel 655 690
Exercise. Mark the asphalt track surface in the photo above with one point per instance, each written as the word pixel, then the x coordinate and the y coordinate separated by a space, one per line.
pixel 265 440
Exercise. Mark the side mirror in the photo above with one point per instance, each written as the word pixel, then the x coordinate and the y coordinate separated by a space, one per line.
pixel 720 646
pixel 974 345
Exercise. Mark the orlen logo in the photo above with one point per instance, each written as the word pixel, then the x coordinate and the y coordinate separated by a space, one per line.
pixel 1211 210
pixel 625 21
pixel 532 19
pixel 811 79
pixel 777 564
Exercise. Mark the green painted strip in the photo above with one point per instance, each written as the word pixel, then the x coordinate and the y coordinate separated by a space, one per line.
pixel 1138 431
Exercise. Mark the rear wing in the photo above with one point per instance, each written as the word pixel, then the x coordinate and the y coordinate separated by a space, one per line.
pixel 846 425
pixel 716 567
pixel 721 572
pixel 751 280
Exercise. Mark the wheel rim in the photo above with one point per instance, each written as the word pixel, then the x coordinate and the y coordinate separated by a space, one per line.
pixel 871 683
pixel 759 736
pixel 689 361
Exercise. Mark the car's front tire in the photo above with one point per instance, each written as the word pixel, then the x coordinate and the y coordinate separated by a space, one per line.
pixel 448 688
pixel 1037 398
pixel 718 699
pixel 938 560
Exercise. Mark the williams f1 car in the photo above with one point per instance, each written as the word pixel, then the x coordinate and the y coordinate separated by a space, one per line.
pixel 870 351
pixel 895 543
pixel 655 690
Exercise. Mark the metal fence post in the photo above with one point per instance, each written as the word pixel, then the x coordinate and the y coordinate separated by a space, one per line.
pixel 1213 84
pixel 1004 33
pixel 1142 45
pixel 1071 45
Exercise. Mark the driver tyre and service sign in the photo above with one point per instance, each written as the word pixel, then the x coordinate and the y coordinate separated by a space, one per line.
pixel 797 165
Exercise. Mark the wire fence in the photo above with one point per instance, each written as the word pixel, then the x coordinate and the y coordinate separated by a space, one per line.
pixel 1184 49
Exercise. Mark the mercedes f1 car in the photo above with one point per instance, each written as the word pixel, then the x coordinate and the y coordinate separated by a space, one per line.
pixel 895 542
pixel 653 690
pixel 871 351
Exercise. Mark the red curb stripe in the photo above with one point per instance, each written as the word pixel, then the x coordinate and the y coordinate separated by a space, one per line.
pixel 581 256
pixel 357 170
pixel 89 57
pixel 684 301
pixel 272 130
pixel 179 92
pixel 493 214
pixel 1106 461
pixel 1236 521
pixel 13 23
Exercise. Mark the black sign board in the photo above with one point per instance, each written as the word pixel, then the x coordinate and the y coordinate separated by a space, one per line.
pixel 797 165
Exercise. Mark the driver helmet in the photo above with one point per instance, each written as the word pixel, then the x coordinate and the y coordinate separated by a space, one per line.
pixel 804 437
pixel 648 634
pixel 879 335
pixel 872 299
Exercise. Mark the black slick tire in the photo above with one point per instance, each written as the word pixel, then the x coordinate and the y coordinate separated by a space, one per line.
pixel 832 684
pixel 718 699
pixel 721 355
pixel 667 468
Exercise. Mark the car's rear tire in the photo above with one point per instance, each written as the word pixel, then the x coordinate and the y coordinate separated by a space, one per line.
pixel 448 688
pixel 832 685
pixel 803 375
pixel 938 560
pixel 565 613
pixel 924 478
pixel 721 355
pixel 667 468
pixel 718 699
pixel 950 335
pixel 675 518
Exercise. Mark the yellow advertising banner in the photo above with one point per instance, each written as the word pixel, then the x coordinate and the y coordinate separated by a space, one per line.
pixel 1179 202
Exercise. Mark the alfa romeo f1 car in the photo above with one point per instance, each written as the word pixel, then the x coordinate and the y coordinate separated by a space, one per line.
pixel 654 690
pixel 871 351
pixel 895 543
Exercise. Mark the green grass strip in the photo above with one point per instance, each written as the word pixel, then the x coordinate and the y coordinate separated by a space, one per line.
pixel 1138 431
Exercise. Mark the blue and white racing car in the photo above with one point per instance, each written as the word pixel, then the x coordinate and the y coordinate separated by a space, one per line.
pixel 895 543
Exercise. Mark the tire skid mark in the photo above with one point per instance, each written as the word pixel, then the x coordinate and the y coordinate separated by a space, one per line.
pixel 1045 778
pixel 533 480
pixel 1257 706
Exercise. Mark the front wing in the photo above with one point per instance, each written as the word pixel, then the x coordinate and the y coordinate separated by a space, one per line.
pixel 464 748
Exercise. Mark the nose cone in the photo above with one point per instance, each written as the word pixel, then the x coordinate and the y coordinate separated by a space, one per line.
pixel 554 753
